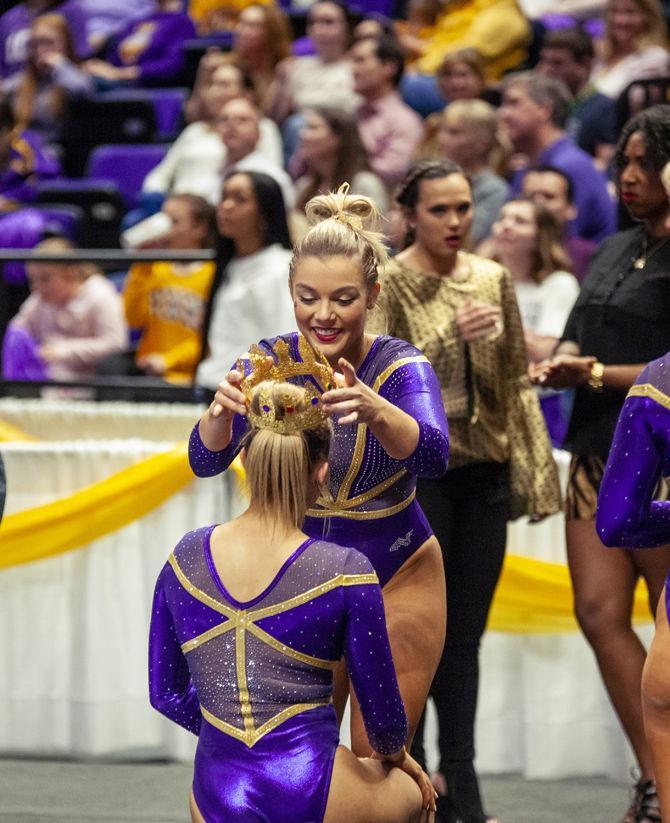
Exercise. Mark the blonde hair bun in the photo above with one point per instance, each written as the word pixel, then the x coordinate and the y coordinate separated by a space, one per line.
pixel 356 209
pixel 346 225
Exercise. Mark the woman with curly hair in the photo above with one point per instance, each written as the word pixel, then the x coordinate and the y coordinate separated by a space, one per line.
pixel 620 322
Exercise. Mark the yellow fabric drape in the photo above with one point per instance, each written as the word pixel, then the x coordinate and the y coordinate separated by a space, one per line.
pixel 86 515
pixel 533 596
pixel 10 434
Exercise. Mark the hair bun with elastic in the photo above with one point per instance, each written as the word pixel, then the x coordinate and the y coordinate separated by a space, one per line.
pixel 354 210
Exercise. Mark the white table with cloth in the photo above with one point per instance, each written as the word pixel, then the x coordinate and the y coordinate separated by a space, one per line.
pixel 99 493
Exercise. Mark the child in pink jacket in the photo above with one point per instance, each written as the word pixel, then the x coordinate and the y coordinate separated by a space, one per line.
pixel 73 317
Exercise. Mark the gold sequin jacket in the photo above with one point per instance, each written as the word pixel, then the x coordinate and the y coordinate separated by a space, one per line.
pixel 493 411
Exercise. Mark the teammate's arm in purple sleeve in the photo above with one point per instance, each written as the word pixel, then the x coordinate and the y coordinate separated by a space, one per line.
pixel 368 657
pixel 627 514
pixel 171 690
pixel 415 389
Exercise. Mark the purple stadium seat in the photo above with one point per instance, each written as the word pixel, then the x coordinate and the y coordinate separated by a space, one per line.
pixel 126 166
pixel 168 105
pixel 101 204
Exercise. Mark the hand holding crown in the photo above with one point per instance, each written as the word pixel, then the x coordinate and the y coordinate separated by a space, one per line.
pixel 233 395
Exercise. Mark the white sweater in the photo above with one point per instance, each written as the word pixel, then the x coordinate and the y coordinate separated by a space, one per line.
pixel 253 303
pixel 194 162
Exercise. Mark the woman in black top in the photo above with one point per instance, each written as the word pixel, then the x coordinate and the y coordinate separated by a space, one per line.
pixel 620 322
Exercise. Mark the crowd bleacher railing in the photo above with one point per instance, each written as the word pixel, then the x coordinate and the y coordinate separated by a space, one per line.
pixel 135 389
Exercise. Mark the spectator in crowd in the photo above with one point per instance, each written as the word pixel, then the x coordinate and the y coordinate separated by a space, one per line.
pixel 166 301
pixel 216 16
pixel 194 107
pixel 553 189
pixel 15 27
pixel 52 76
pixel 325 76
pixel 71 320
pixel 461 310
pixel 105 18
pixel 468 135
pixel 194 161
pixel 24 161
pixel 497 29
pixel 375 25
pixel 461 75
pixel 534 114
pixel 331 153
pixel 567 54
pixel 250 298
pixel 391 132
pixel 239 126
pixel 262 40
pixel 527 240
pixel 420 17
pixel 620 322
pixel 634 47
pixel 147 51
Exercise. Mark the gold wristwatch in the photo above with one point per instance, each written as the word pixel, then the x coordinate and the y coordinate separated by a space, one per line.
pixel 596 376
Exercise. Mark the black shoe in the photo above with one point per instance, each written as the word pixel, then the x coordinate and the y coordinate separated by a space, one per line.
pixel 649 810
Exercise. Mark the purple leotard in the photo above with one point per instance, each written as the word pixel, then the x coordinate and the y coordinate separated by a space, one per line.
pixel 370 501
pixel 628 516
pixel 254 680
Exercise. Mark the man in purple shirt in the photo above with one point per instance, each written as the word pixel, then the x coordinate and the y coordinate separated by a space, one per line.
pixel 534 113
pixel 390 130
pixel 148 50
pixel 553 189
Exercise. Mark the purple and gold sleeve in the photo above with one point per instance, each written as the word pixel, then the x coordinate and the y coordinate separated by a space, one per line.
pixel 628 516
pixel 369 662
pixel 171 689
pixel 415 389
pixel 206 463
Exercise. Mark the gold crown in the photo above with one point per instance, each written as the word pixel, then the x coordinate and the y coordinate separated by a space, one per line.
pixel 263 368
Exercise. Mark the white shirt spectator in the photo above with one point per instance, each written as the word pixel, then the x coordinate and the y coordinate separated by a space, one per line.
pixel 545 306
pixel 253 303
pixel 255 161
pixel 194 163
pixel 653 61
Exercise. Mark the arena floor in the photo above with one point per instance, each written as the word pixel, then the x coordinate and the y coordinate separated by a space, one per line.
pixel 49 791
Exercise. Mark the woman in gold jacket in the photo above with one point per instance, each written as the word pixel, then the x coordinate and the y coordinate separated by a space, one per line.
pixel 461 311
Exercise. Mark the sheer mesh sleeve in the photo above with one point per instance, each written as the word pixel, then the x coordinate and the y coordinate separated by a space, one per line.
pixel 368 655
pixel 415 389
pixel 206 463
pixel 171 690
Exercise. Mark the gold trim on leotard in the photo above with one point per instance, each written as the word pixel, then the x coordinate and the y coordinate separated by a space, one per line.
pixel 343 500
pixel 243 621
pixel 651 391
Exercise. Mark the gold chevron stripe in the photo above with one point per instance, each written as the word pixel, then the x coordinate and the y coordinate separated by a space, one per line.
pixel 649 390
